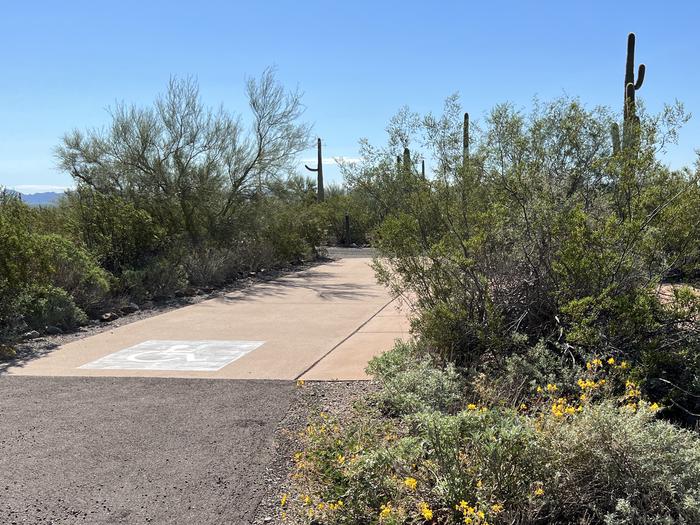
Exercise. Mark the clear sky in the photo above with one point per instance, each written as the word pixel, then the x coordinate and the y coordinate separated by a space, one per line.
pixel 62 63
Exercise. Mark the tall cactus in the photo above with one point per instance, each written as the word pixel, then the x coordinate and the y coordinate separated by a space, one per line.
pixel 319 170
pixel 465 139
pixel 406 164
pixel 630 124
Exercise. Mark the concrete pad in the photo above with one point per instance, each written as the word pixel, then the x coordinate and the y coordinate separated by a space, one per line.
pixel 300 318
pixel 349 360
pixel 393 324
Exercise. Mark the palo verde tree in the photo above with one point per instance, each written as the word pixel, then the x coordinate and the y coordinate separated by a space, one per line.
pixel 190 166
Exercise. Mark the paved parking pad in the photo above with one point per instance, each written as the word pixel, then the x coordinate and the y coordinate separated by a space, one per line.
pixel 208 356
pixel 333 316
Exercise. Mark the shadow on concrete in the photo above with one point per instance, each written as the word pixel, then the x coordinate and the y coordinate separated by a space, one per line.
pixel 312 280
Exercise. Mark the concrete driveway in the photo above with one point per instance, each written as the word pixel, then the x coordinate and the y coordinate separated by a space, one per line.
pixel 324 323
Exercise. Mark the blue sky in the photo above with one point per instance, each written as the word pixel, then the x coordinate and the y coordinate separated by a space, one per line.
pixel 63 63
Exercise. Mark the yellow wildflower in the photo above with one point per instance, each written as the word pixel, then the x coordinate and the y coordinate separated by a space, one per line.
pixel 479 484
pixel 425 510
pixel 611 361
pixel 624 364
pixel 570 410
pixel 411 483
pixel 539 389
pixel 341 459
pixel 385 511
pixel 496 508
pixel 283 500
pixel 539 491
pixel 654 406
pixel 551 388
pixel 471 406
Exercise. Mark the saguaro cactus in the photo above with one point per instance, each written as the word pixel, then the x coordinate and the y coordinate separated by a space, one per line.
pixel 465 139
pixel 319 170
pixel 407 160
pixel 630 125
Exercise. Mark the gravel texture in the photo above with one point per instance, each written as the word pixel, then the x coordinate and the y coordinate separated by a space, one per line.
pixel 334 398
pixel 136 450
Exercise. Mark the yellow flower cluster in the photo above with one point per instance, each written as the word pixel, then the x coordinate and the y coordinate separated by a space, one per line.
pixel 411 483
pixel 632 395
pixel 335 506
pixel 385 511
pixel 561 407
pixel 597 363
pixel 425 511
pixel 472 516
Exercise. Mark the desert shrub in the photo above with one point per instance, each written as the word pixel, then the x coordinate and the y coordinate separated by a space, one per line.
pixel 72 269
pixel 412 384
pixel 208 265
pixel 293 231
pixel 545 235
pixel 158 278
pixel 119 234
pixel 47 305
pixel 570 461
pixel 45 279
pixel 363 216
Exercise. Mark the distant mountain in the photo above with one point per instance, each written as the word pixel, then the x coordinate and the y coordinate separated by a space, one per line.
pixel 47 198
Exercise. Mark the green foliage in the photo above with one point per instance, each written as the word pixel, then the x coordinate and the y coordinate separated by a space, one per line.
pixel 412 384
pixel 120 235
pixel 602 463
pixel 543 235
pixel 47 305
pixel 45 279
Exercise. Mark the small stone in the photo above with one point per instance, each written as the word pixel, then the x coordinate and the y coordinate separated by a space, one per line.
pixel 108 317
pixel 251 274
pixel 32 334
pixel 53 330
pixel 130 308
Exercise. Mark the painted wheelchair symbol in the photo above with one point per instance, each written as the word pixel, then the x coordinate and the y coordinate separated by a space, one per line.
pixel 174 353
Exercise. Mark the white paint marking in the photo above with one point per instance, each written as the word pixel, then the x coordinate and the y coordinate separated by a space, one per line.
pixel 207 356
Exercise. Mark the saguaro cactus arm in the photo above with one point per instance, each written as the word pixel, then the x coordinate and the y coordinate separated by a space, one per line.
pixel 319 170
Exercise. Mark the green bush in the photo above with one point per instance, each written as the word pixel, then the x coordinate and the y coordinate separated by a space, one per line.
pixel 410 383
pixel 45 279
pixel 545 235
pixel 47 305
pixel 564 461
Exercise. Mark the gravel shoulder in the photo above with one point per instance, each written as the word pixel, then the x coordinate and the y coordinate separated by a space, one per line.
pixel 332 397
